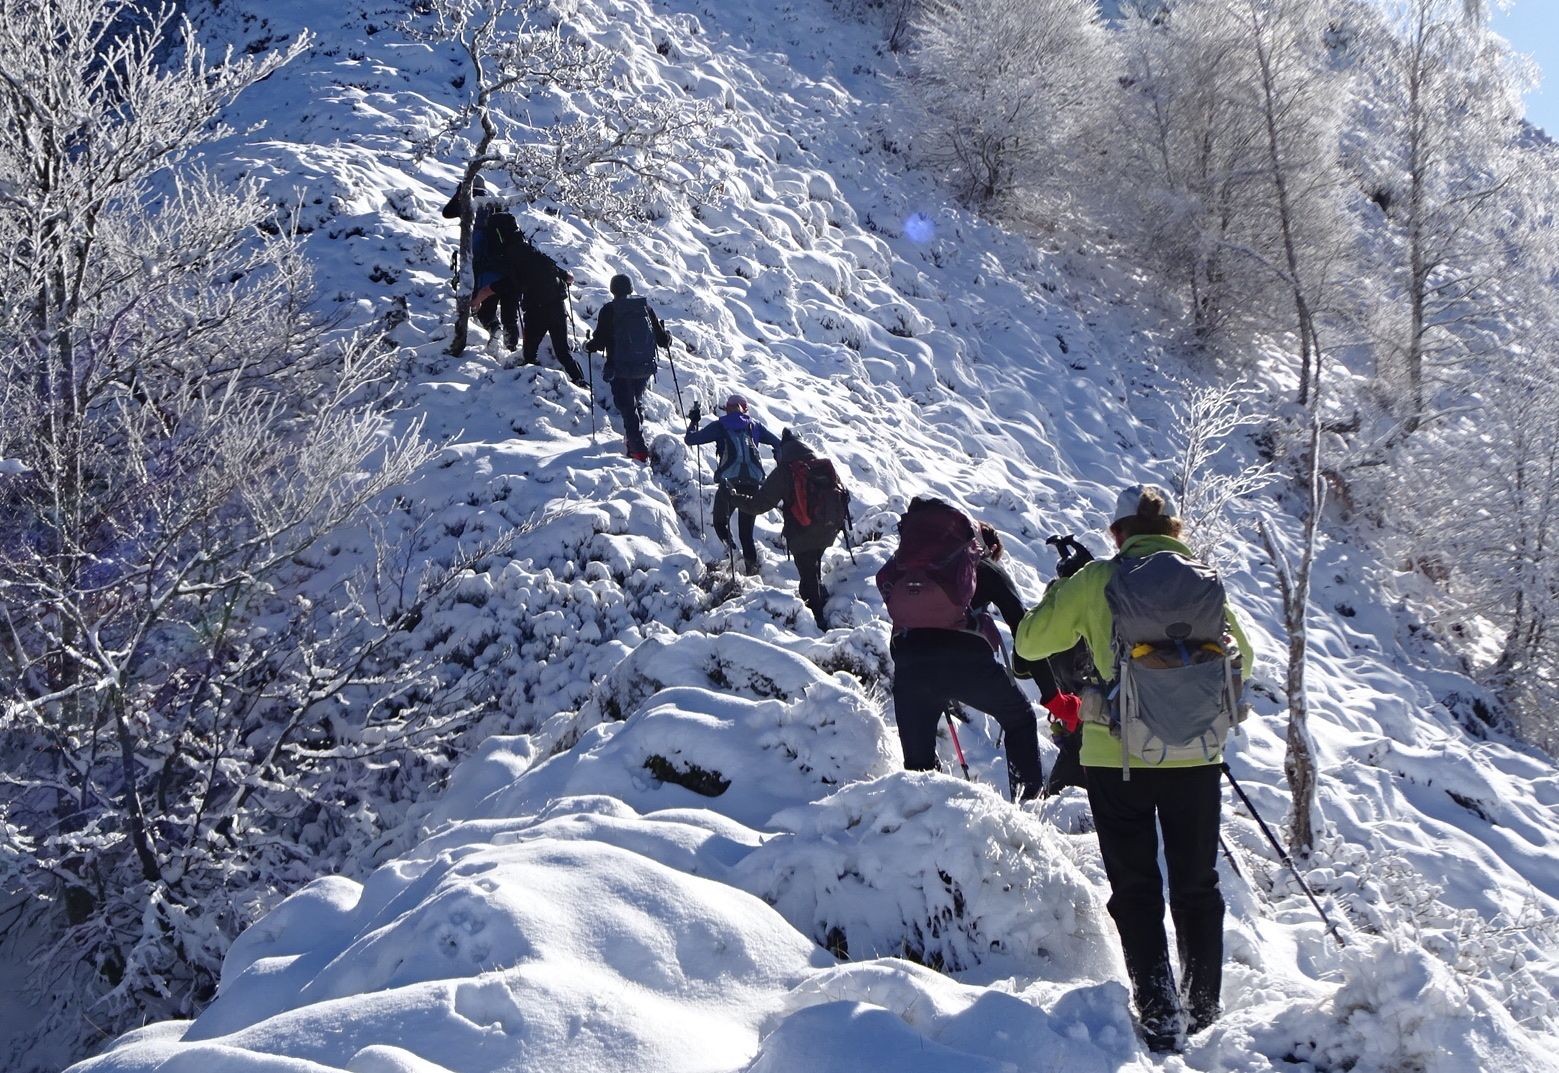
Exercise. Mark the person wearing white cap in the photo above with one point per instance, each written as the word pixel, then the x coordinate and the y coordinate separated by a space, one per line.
pixel 1176 786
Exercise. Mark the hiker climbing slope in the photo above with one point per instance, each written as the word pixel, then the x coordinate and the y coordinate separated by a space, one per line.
pixel 815 505
pixel 496 244
pixel 630 333
pixel 738 469
pixel 544 292
pixel 942 650
pixel 994 588
pixel 1159 627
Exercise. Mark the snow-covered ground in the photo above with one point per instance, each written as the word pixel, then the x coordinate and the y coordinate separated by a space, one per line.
pixel 690 848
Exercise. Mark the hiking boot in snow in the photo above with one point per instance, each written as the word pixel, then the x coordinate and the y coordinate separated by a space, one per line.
pixel 750 566
pixel 1164 1034
pixel 641 457
pixel 1199 1019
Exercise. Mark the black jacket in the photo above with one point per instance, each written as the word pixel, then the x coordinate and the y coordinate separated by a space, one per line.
pixel 543 282
pixel 496 241
pixel 992 588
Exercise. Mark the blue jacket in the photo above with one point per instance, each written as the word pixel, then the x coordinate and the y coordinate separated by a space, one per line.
pixel 736 438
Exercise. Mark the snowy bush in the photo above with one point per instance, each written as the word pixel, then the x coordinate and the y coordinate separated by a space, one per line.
pixel 926 867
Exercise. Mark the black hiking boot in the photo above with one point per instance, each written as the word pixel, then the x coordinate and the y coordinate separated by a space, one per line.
pixel 1164 1034
pixel 750 566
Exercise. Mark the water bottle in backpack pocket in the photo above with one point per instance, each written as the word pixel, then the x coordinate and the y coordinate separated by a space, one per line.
pixel 1176 702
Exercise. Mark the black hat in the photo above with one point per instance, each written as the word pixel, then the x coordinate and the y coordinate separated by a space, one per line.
pixel 621 286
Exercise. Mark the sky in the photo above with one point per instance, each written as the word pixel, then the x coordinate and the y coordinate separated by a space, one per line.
pixel 1532 26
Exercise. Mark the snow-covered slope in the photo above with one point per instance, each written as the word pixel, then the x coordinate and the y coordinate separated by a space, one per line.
pixel 577 899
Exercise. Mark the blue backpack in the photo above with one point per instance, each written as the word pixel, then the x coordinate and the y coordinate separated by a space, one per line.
pixel 740 464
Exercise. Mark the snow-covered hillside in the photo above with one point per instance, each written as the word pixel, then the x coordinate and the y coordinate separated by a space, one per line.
pixel 568 904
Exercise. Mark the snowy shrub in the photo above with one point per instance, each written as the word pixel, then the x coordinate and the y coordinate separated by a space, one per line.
pixel 932 869
pixel 1208 494
pixel 1399 1009
pixel 1507 954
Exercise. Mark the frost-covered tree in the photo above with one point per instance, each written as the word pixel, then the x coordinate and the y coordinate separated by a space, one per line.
pixel 1210 495
pixel 1298 113
pixel 607 154
pixel 179 675
pixel 1450 186
pixel 1227 171
pixel 1011 85
pixel 1183 168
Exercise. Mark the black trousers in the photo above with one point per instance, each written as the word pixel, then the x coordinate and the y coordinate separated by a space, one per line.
pixel 1068 769
pixel 628 397
pixel 553 321
pixel 809 564
pixel 504 302
pixel 1184 804
pixel 725 504
pixel 932 668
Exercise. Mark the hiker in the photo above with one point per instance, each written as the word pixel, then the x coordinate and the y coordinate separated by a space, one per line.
pixel 1074 675
pixel 942 649
pixel 495 243
pixel 1150 610
pixel 1000 592
pixel 543 292
pixel 738 470
pixel 630 333
pixel 816 507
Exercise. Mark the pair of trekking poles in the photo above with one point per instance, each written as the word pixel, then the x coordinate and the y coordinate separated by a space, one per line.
pixel 590 370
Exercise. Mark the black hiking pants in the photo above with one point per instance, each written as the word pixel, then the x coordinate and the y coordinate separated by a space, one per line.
pixel 504 304
pixel 934 667
pixel 725 504
pixel 553 321
pixel 1184 804
pixel 809 564
pixel 628 397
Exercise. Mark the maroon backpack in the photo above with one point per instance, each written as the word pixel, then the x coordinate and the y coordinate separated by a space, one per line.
pixel 929 582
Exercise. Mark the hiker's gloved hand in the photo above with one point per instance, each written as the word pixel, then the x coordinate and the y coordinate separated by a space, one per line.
pixel 1066 709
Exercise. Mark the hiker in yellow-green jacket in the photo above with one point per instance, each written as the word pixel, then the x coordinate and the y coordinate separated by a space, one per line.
pixel 1152 746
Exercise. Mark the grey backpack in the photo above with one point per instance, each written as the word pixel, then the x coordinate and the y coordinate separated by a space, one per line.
pixel 1176 686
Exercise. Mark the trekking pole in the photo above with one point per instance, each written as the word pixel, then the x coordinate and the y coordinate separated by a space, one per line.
pixel 674 383
pixel 1282 854
pixel 849 537
pixel 590 371
pixel 957 746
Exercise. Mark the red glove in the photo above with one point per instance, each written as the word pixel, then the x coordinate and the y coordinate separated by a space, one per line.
pixel 1066 709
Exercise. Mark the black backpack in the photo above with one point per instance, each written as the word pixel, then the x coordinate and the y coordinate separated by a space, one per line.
pixel 633 349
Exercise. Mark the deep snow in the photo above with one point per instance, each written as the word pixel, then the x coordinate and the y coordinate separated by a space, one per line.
pixel 561 907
